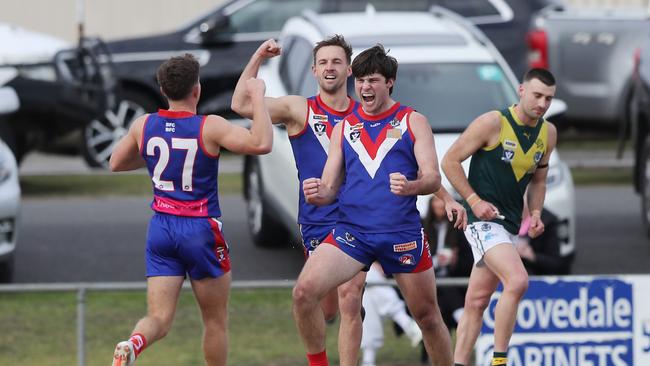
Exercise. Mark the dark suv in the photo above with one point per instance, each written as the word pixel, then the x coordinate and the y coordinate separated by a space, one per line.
pixel 224 40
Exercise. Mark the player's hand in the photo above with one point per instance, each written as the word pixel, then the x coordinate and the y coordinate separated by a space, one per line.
pixel 536 226
pixel 311 188
pixel 269 49
pixel 255 87
pixel 454 208
pixel 399 184
pixel 486 211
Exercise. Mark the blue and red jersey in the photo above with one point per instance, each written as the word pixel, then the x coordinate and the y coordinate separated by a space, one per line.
pixel 373 148
pixel 310 148
pixel 183 172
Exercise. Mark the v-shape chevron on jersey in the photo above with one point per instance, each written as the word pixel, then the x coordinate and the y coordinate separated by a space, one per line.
pixel 322 128
pixel 372 153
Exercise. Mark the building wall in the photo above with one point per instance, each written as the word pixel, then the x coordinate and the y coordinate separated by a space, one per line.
pixel 110 19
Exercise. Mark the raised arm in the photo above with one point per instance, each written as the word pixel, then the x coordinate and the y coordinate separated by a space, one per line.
pixel 126 154
pixel 287 109
pixel 428 180
pixel 537 186
pixel 258 140
pixel 483 131
pixel 323 191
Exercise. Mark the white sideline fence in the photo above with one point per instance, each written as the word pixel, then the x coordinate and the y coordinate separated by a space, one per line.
pixel 82 287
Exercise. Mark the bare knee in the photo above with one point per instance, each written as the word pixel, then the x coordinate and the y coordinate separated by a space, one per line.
pixel 303 294
pixel 516 285
pixel 428 318
pixel 477 303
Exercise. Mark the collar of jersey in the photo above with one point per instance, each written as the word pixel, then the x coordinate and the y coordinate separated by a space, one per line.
pixel 174 114
pixel 380 116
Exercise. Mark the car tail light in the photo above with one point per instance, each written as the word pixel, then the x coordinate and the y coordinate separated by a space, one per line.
pixel 537 49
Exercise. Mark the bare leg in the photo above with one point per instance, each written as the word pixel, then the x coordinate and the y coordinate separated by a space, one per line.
pixel 351 327
pixel 212 294
pixel 326 268
pixel 162 297
pixel 330 305
pixel 504 261
pixel 482 283
pixel 419 290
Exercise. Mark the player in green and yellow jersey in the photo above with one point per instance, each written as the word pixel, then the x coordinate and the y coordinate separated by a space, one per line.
pixel 510 150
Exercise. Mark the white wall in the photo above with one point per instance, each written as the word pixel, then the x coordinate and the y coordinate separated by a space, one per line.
pixel 110 19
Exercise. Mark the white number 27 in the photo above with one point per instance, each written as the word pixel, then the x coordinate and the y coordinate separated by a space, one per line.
pixel 159 143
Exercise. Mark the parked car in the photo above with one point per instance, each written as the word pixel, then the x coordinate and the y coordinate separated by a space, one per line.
pixel 589 49
pixel 448 70
pixel 9 208
pixel 224 39
pixel 640 127
pixel 58 89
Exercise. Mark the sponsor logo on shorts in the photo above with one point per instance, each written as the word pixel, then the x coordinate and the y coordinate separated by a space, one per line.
pixel 406 260
pixel 347 240
pixel 488 236
pixel 486 227
pixel 405 247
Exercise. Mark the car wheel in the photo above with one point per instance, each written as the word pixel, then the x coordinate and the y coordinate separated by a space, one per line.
pixel 265 230
pixel 101 134
pixel 7 270
pixel 645 184
pixel 8 135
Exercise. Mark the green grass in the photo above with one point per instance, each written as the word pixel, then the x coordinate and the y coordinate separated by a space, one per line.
pixel 40 329
pixel 106 185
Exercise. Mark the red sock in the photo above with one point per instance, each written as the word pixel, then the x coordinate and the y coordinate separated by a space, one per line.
pixel 318 359
pixel 139 343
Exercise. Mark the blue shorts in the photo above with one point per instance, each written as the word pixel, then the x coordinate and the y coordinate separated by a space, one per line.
pixel 178 245
pixel 399 252
pixel 313 235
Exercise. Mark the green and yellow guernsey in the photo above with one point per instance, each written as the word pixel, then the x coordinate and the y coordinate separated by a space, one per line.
pixel 500 173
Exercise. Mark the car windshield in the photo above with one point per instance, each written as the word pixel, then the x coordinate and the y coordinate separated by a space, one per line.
pixel 451 95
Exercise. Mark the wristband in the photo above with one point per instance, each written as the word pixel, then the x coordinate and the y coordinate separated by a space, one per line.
pixel 473 199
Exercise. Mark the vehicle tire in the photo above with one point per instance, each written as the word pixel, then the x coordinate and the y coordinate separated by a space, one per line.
pixel 7 270
pixel 8 135
pixel 644 178
pixel 265 230
pixel 101 134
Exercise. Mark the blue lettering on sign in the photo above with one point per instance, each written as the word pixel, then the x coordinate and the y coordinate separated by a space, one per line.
pixel 601 305
pixel 606 353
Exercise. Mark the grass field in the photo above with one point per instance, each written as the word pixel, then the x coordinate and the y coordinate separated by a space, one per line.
pixel 230 183
pixel 40 329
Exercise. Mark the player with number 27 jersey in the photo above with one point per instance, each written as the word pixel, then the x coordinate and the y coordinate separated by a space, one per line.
pixel 184 174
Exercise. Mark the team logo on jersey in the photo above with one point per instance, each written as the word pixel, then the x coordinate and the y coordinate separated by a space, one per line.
pixel 395 123
pixel 320 128
pixel 321 117
pixel 526 134
pixel 538 156
pixel 355 135
pixel 404 247
pixel 486 227
pixel 407 260
pixel 509 144
pixel 508 156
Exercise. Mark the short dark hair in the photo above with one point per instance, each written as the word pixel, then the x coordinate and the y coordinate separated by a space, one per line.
pixel 335 40
pixel 178 75
pixel 375 60
pixel 540 74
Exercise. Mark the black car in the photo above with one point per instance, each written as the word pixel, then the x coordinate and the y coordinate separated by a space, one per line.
pixel 55 98
pixel 224 40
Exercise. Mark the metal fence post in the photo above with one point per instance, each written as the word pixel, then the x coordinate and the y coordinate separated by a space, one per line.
pixel 81 326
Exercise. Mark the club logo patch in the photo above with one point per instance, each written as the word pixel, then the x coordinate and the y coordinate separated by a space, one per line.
pixel 508 156
pixel 395 123
pixel 320 128
pixel 539 143
pixel 354 136
pixel 406 260
pixel 538 156
pixel 486 227
pixel 313 243
pixel 405 247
